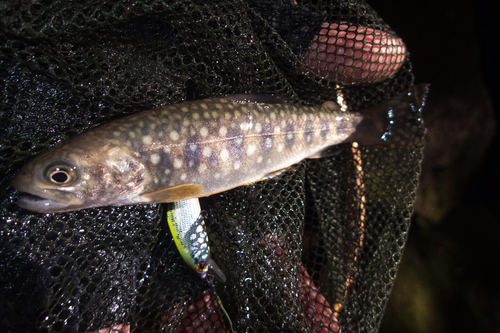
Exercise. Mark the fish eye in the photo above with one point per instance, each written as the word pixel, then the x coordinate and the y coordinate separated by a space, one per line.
pixel 61 174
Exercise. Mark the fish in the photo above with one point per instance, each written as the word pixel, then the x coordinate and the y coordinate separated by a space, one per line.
pixel 193 149
pixel 187 226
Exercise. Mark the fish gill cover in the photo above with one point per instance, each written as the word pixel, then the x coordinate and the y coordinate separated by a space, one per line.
pixel 315 248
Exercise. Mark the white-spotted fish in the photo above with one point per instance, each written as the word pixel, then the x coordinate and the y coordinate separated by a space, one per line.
pixel 187 226
pixel 188 150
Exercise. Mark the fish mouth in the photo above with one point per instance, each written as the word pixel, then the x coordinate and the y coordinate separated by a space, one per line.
pixel 40 204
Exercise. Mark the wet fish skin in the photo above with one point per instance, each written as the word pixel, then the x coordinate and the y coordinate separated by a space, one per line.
pixel 186 150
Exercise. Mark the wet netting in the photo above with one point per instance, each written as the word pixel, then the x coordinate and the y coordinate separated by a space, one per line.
pixel 314 249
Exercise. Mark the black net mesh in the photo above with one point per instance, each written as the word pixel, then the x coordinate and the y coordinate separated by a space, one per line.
pixel 314 249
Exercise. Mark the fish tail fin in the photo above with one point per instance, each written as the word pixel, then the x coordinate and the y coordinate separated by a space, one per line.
pixel 394 123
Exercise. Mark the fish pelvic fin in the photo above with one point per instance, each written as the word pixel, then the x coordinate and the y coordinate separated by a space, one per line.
pixel 173 193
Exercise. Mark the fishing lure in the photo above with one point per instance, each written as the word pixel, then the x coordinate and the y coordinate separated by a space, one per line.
pixel 187 226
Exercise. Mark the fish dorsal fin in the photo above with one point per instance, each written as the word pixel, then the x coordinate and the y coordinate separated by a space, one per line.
pixel 255 98
pixel 173 193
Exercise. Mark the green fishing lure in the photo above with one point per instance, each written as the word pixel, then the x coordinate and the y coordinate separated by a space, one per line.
pixel 187 226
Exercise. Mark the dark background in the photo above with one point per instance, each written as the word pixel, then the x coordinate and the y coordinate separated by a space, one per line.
pixel 447 280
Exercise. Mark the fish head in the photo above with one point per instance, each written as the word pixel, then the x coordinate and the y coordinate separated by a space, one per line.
pixel 79 175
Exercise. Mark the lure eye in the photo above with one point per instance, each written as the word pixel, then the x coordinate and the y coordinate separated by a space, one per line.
pixel 202 267
pixel 61 174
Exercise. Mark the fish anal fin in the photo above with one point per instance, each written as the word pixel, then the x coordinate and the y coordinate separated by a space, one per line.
pixel 327 152
pixel 173 193
pixel 273 174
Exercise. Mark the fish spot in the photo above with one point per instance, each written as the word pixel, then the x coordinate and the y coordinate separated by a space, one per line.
pixel 236 165
pixel 217 175
pixel 258 127
pixel 230 106
pixel 280 147
pixel 174 135
pixel 155 159
pixel 192 152
pixel 204 106
pixel 223 100
pixel 290 136
pixel 267 142
pixel 177 163
pixel 167 171
pixel 228 115
pixel 325 127
pixel 259 159
pixel 131 134
pixel 237 113
pixel 141 123
pixel 215 115
pixel 223 130
pixel 273 115
pixel 116 133
pixel 207 151
pixel 246 126
pixel 224 154
pixel 183 176
pixel 202 168
pixel 196 116
pixel 166 149
pixel 309 131
pixel 277 130
pixel 204 131
pixel 156 180
pixel 186 122
pixel 250 150
pixel 184 109
pixel 235 145
pixel 147 140
pixel 218 106
pixel 206 114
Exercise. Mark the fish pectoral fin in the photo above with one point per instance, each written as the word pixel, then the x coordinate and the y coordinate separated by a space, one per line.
pixel 173 193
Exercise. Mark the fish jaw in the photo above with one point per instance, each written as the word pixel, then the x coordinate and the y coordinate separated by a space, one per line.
pixel 40 205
